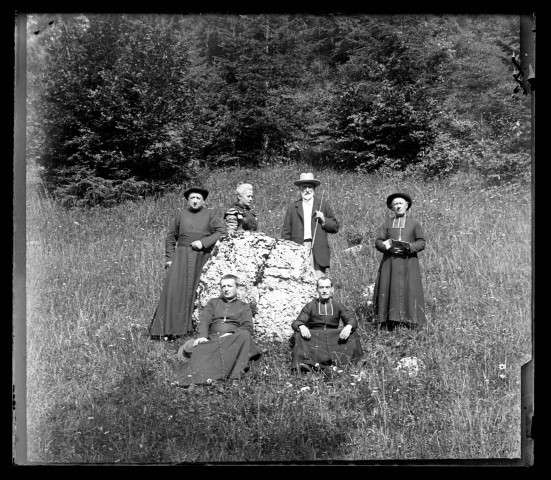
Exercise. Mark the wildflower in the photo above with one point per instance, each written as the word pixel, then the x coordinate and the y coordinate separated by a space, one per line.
pixel 411 365
pixel 502 366
pixel 502 375
pixel 209 380
pixel 304 389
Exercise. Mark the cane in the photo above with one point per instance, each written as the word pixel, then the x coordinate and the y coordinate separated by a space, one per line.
pixel 316 227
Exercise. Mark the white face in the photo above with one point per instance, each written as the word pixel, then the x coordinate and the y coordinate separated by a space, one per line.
pixel 307 191
pixel 195 201
pixel 246 198
pixel 399 206
pixel 325 290
pixel 228 287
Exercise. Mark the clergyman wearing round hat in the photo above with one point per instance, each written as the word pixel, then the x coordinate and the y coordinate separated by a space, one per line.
pixel 398 296
pixel 189 241
pixel 308 220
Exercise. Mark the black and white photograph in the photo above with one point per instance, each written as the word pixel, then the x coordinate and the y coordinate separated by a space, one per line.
pixel 273 238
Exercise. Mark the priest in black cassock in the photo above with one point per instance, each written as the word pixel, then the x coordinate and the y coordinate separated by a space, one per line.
pixel 319 340
pixel 224 348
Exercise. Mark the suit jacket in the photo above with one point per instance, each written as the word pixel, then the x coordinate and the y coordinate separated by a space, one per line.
pixel 293 228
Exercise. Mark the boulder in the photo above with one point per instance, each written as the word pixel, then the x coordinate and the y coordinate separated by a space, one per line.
pixel 275 278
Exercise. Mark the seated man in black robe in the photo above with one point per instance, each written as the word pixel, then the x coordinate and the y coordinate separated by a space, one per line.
pixel 225 348
pixel 318 341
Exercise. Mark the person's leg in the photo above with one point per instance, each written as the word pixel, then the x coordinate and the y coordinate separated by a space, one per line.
pixel 319 271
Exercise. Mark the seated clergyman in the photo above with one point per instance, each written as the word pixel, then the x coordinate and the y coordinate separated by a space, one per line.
pixel 318 340
pixel 225 348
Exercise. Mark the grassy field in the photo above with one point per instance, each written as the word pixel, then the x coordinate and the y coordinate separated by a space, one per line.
pixel 98 390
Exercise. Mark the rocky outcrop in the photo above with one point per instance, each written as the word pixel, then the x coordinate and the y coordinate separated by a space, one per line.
pixel 275 278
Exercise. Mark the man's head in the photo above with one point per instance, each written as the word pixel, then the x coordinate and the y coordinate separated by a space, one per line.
pixel 307 191
pixel 325 288
pixel 307 185
pixel 228 286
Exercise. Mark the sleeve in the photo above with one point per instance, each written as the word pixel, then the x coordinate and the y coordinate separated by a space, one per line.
pixel 302 319
pixel 286 228
pixel 331 223
pixel 205 319
pixel 419 243
pixel 381 237
pixel 172 238
pixel 231 219
pixel 247 319
pixel 347 317
pixel 217 228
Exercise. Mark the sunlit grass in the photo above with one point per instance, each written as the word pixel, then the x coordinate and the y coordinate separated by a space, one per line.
pixel 97 386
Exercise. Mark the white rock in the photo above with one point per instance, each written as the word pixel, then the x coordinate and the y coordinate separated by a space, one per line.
pixel 275 277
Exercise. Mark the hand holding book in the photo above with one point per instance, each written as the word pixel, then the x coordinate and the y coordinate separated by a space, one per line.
pixel 398 246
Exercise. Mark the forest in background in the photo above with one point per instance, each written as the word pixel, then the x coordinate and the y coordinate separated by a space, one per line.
pixel 122 106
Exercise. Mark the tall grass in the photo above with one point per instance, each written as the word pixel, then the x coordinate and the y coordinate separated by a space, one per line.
pixel 98 389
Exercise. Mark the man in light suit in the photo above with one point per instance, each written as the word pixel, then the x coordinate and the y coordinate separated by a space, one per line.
pixel 300 222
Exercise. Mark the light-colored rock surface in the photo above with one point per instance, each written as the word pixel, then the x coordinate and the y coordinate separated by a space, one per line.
pixel 274 277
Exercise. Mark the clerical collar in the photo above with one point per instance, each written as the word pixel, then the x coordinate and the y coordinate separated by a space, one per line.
pixel 323 307
pixel 399 222
pixel 228 301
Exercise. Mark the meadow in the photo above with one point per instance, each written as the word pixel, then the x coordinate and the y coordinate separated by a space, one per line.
pixel 98 389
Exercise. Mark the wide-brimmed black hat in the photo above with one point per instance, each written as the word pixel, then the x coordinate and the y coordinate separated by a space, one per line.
pixel 405 196
pixel 201 190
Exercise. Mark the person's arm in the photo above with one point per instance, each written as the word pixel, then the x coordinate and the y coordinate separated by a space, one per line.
pixel 172 239
pixel 348 317
pixel 231 218
pixel 349 320
pixel 205 319
pixel 302 322
pixel 419 243
pixel 286 228
pixel 330 224
pixel 217 228
pixel 246 320
pixel 382 236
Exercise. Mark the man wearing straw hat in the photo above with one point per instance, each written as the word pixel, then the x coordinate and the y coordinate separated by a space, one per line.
pixel 308 221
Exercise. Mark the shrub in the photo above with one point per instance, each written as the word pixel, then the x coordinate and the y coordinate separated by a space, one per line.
pixel 111 103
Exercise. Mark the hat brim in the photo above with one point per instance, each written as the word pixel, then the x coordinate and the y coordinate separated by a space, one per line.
pixel 300 182
pixel 188 347
pixel 405 196
pixel 203 191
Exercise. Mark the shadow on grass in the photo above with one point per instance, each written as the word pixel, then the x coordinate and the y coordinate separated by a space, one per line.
pixel 143 419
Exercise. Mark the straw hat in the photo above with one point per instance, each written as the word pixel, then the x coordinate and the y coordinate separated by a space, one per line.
pixel 307 178
pixel 405 196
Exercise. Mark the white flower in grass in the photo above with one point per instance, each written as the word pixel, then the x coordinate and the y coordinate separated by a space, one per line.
pixel 304 389
pixel 502 375
pixel 502 366
pixel 209 380
pixel 410 365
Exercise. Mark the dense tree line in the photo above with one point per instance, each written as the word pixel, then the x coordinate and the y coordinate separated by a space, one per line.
pixel 126 104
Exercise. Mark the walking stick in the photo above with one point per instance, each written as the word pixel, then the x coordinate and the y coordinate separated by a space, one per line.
pixel 316 227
